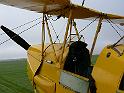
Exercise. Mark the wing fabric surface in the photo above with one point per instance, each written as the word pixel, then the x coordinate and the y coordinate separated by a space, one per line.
pixel 61 7
pixel 37 5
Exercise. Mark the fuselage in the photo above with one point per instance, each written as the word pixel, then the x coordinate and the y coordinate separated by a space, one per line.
pixel 47 76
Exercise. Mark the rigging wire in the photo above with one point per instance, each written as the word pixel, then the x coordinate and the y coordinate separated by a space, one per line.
pixel 116 25
pixel 26 23
pixel 118 41
pixel 58 17
pixel 51 44
pixel 23 25
pixel 114 28
pixel 86 26
pixel 57 37
pixel 27 30
pixel 53 29
pixel 89 24
pixel 20 33
pixel 43 51
pixel 32 27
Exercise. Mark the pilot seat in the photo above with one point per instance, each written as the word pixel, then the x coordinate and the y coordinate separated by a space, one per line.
pixel 78 62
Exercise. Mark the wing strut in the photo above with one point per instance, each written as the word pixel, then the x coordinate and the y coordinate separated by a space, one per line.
pixel 65 37
pixel 96 35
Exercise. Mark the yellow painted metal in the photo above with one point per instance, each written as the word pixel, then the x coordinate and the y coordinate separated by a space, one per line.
pixel 50 71
pixel 48 74
pixel 34 56
pixel 50 37
pixel 47 80
pixel 120 91
pixel 39 90
pixel 43 36
pixel 34 60
pixel 44 84
pixel 65 37
pixel 96 35
pixel 70 31
pixel 76 30
pixel 61 89
pixel 42 48
pixel 108 70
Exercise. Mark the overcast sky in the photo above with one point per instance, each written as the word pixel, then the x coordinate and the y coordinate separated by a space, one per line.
pixel 13 17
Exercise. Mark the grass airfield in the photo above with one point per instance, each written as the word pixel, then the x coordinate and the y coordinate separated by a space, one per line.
pixel 13 76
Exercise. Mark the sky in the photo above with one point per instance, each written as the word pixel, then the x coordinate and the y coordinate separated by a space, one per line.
pixel 13 17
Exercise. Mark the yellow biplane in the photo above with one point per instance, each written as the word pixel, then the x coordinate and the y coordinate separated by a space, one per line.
pixel 65 67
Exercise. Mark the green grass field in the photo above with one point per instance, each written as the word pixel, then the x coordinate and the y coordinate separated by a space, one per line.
pixel 13 76
pixel 94 58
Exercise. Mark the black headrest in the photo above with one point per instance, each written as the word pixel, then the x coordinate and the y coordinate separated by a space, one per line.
pixel 78 44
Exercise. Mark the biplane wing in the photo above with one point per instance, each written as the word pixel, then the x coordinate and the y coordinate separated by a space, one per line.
pixel 62 8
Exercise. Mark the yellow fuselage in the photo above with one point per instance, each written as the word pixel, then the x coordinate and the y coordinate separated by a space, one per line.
pixel 46 75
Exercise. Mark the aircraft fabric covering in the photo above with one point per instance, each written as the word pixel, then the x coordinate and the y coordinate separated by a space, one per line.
pixel 61 7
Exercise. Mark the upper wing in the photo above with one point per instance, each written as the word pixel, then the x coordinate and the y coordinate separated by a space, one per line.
pixel 37 5
pixel 61 7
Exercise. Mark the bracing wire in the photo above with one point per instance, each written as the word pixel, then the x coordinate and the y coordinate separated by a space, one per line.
pixel 23 25
pixel 57 37
pixel 118 41
pixel 53 29
pixel 50 44
pixel 116 25
pixel 89 24
pixel 27 23
pixel 27 30
pixel 114 28
pixel 43 52
pixel 20 33
pixel 86 26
